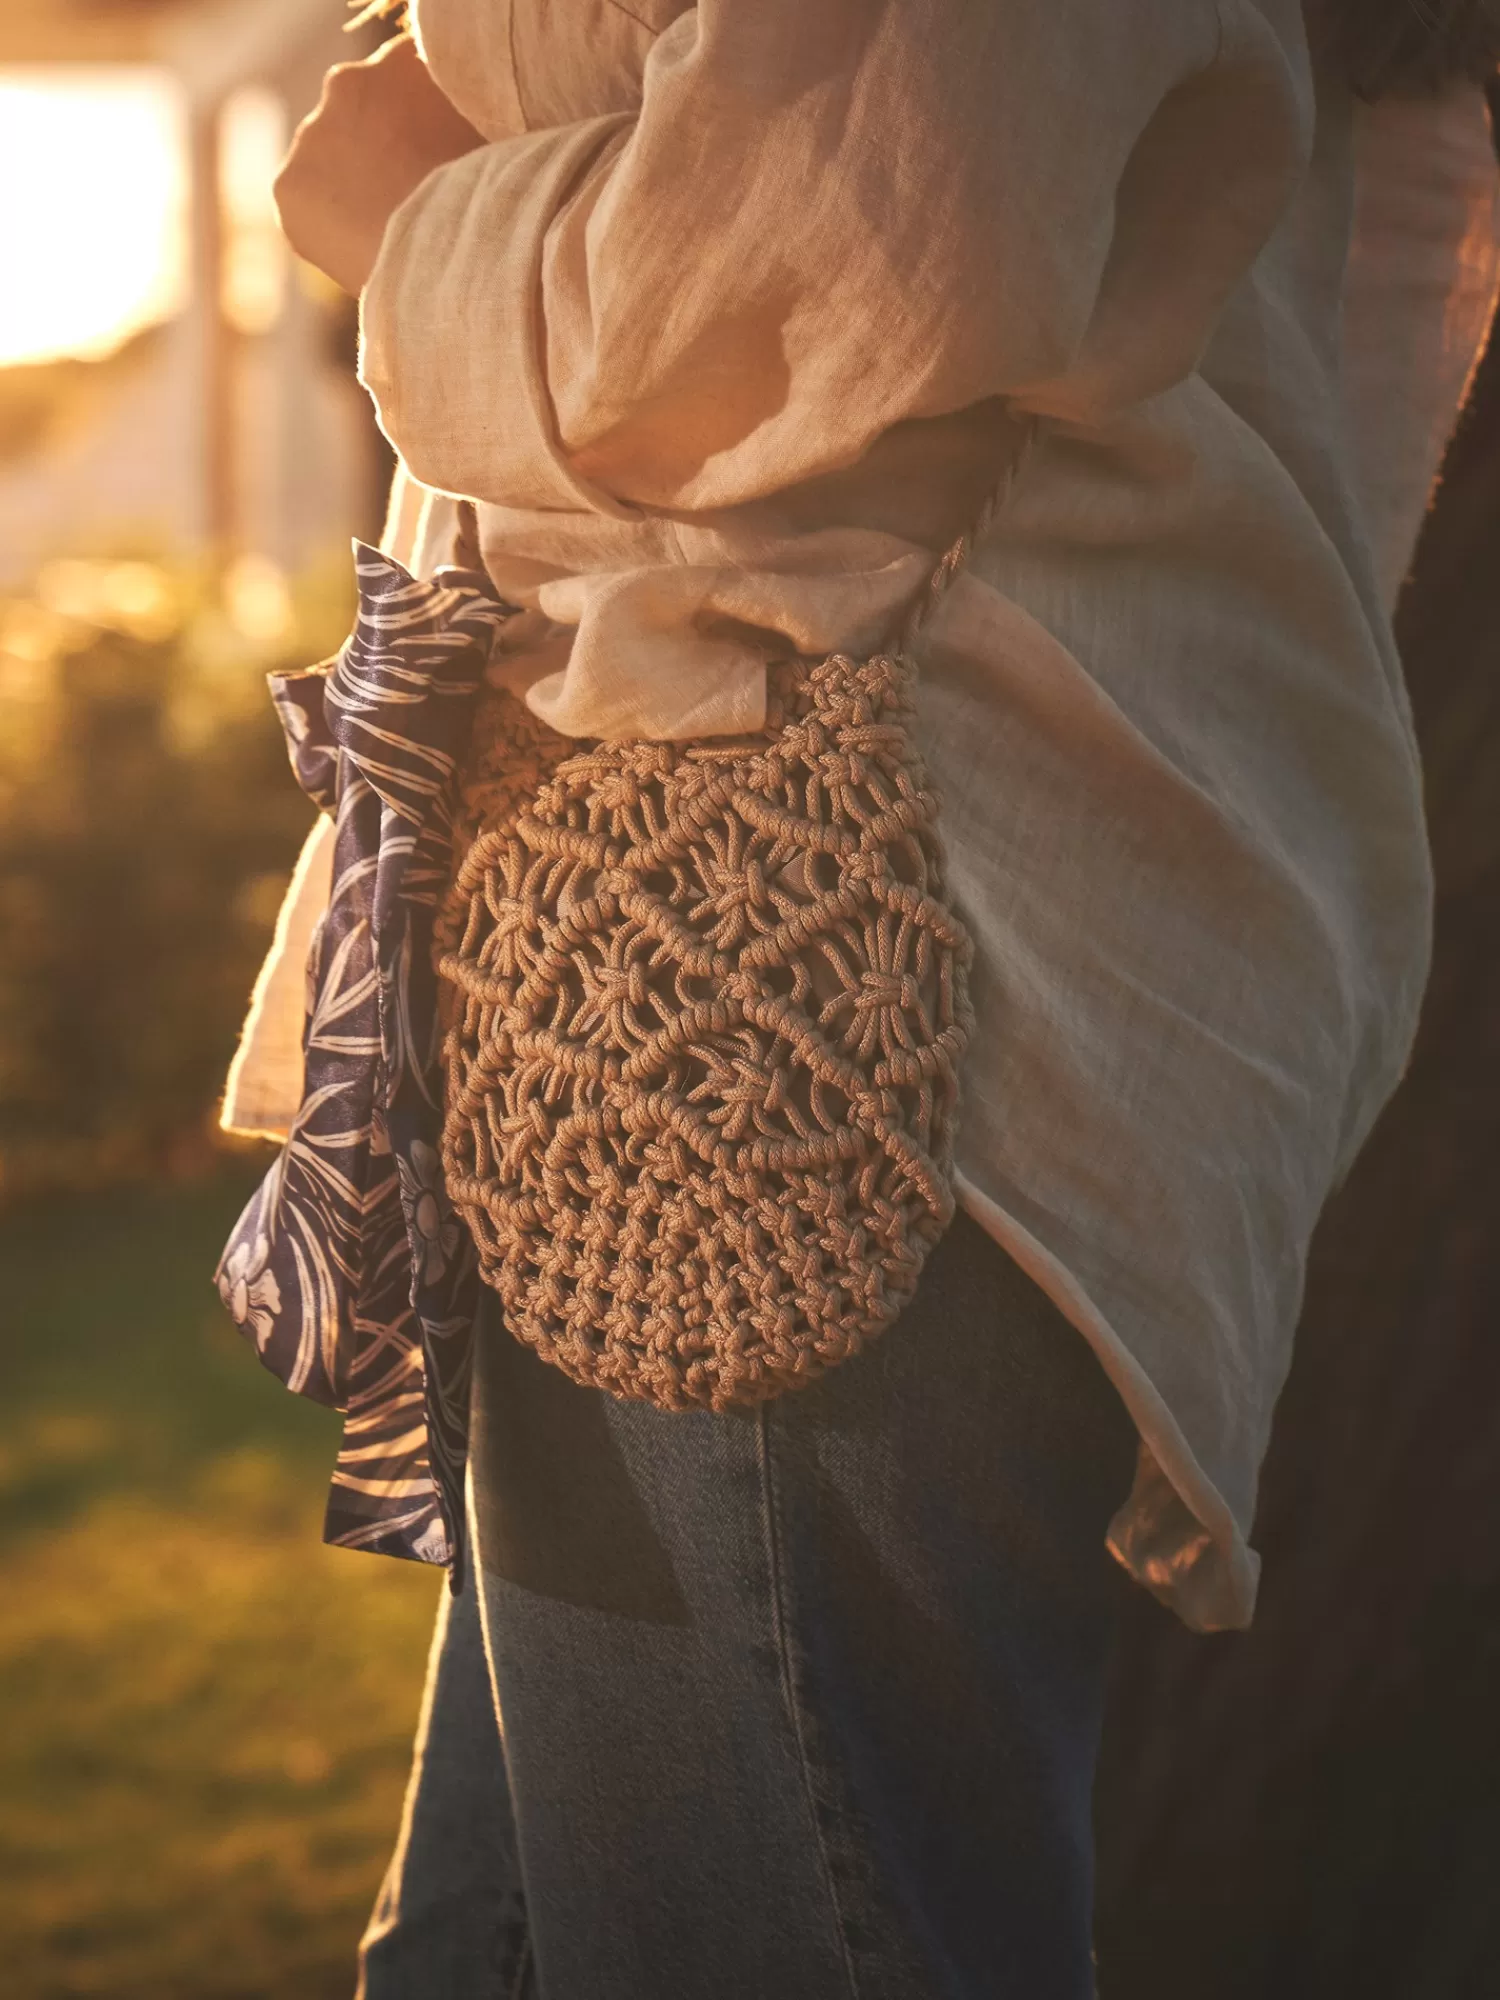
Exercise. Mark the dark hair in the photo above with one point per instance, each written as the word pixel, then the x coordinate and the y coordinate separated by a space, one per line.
pixel 1407 47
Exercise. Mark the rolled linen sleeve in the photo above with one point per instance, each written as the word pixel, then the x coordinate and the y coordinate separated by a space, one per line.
pixel 820 221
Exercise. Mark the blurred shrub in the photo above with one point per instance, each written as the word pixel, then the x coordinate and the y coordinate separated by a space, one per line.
pixel 148 820
pixel 40 401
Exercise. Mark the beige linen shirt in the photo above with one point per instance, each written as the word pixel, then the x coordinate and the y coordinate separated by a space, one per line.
pixel 726 329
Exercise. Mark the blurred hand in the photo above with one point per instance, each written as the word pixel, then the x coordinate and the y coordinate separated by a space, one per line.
pixel 380 128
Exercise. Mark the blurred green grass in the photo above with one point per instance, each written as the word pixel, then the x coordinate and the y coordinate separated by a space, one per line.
pixel 206 1714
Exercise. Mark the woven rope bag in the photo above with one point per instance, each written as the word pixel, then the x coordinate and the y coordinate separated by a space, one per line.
pixel 702 1072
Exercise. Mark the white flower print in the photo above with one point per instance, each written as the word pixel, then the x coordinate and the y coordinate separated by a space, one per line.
pixel 249 1291
pixel 435 1229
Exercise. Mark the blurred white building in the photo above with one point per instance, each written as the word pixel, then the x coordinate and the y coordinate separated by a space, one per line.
pixel 235 426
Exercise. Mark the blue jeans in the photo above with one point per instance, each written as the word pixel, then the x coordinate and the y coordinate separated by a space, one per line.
pixel 799 1704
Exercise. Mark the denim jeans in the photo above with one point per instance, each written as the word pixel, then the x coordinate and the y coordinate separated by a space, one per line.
pixel 800 1703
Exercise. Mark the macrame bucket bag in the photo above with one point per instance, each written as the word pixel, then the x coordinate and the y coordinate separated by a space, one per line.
pixel 712 999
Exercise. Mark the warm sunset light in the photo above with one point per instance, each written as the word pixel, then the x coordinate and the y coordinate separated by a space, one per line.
pixel 92 225
pixel 748 995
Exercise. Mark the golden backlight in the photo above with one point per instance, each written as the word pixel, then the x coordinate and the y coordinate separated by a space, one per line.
pixel 92 209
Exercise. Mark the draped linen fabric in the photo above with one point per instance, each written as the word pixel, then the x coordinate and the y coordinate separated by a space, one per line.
pixel 727 328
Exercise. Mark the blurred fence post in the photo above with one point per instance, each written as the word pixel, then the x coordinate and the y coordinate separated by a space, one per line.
pixel 208 338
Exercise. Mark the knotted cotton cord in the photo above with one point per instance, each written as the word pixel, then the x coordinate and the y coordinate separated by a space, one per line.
pixel 711 1001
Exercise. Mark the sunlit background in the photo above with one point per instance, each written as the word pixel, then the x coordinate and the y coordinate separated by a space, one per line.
pixel 171 380
pixel 98 249
pixel 207 1717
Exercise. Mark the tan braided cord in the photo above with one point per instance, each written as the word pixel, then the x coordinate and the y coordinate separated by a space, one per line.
pixel 710 1003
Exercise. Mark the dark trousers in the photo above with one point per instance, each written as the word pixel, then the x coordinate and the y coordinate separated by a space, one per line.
pixel 798 1704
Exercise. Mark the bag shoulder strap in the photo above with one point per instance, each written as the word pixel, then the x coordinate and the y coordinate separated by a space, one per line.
pixel 952 564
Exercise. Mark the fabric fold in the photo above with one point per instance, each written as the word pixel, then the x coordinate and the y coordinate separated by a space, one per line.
pixel 668 653
pixel 348 1269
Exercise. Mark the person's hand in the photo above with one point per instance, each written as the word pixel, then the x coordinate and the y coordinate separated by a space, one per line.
pixel 380 128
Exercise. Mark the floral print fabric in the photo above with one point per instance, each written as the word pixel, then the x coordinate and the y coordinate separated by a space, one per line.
pixel 348 1269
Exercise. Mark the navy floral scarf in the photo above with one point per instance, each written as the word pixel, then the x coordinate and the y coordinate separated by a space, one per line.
pixel 349 1270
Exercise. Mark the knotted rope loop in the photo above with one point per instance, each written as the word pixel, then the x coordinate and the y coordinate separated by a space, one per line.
pixel 707 1008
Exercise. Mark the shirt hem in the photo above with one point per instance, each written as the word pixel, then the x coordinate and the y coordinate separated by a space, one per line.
pixel 1176 1535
